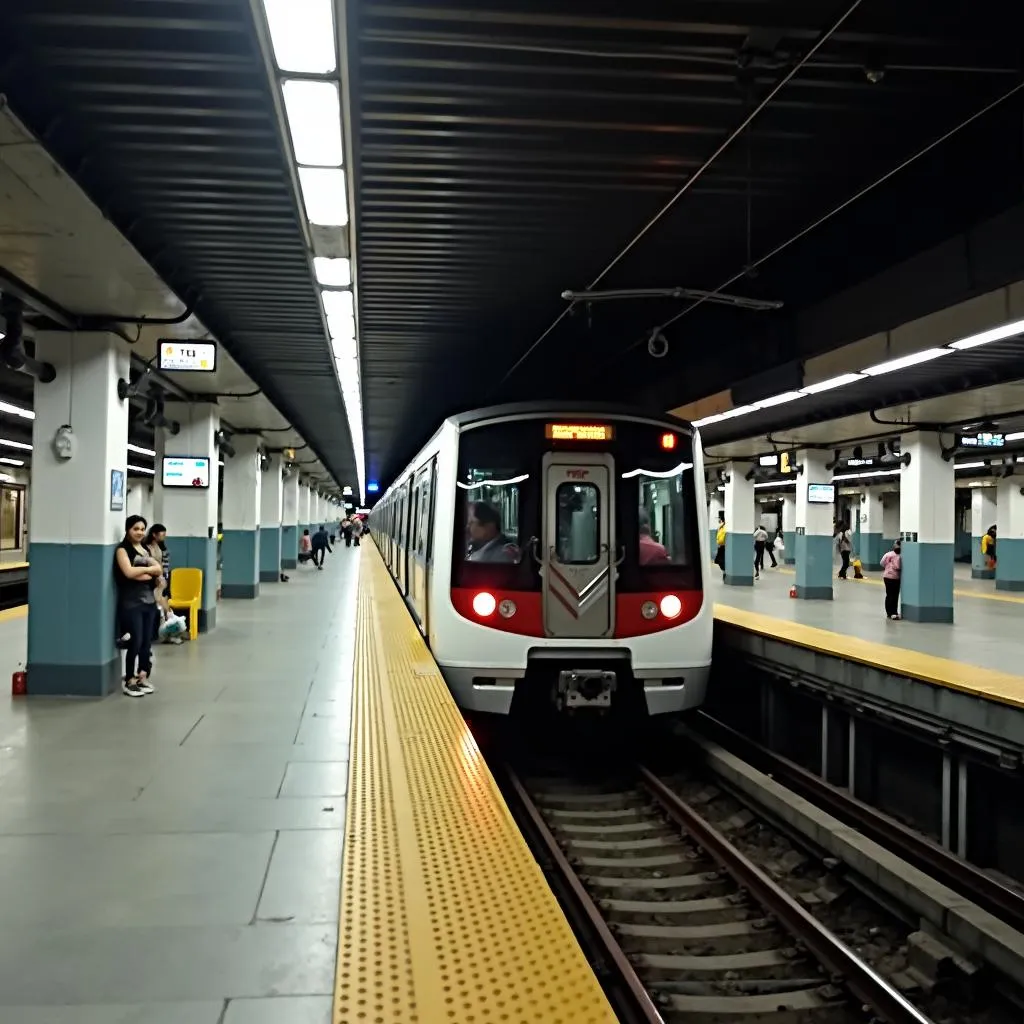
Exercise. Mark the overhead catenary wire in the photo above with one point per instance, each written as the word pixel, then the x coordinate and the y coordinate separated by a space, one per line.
pixel 696 176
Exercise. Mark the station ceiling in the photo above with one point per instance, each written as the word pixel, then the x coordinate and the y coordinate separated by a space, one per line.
pixel 505 151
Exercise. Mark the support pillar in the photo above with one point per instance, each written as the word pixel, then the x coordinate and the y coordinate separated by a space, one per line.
pixel 240 551
pixel 290 521
pixel 814 531
pixel 716 506
pixel 890 519
pixel 77 515
pixel 983 517
pixel 1010 543
pixel 872 539
pixel 789 528
pixel 305 508
pixel 927 522
pixel 739 526
pixel 190 513
pixel 271 504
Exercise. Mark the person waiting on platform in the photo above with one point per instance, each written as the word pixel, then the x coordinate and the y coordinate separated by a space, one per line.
pixel 320 544
pixel 892 569
pixel 346 531
pixel 305 547
pixel 358 529
pixel 720 543
pixel 988 548
pixel 136 576
pixel 844 545
pixel 760 540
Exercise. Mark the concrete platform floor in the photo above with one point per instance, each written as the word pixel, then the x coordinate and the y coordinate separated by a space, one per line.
pixel 176 859
pixel 986 631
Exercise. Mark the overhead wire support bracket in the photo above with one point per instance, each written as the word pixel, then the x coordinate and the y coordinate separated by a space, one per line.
pixel 690 294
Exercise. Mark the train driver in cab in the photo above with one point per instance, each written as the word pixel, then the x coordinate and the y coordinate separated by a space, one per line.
pixel 487 543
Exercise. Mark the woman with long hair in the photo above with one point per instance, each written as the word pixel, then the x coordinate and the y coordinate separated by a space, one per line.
pixel 137 575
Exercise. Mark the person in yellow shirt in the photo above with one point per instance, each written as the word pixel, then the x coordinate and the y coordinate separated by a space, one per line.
pixel 988 548
pixel 720 541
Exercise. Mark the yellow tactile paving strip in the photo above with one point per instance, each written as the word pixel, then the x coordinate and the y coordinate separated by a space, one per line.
pixel 955 675
pixel 445 916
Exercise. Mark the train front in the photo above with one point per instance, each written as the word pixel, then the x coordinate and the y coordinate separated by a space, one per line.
pixel 577 565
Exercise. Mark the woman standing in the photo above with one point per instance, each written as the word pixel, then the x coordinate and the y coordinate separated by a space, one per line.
pixel 137 576
pixel 892 568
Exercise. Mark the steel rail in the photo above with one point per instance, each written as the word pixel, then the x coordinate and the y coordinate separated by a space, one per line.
pixel 644 1009
pixel 988 893
pixel 861 979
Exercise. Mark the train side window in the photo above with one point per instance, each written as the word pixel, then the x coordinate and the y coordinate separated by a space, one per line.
pixel 424 516
pixel 432 492
pixel 577 524
pixel 415 517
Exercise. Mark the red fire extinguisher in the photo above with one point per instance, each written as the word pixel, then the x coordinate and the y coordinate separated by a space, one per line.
pixel 19 683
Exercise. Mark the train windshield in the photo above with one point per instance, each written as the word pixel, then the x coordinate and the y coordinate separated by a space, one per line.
pixel 500 499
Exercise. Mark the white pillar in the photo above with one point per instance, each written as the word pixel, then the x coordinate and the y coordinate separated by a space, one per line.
pixel 190 513
pixel 240 548
pixel 77 515
pixel 290 520
pixel 1010 530
pixel 927 523
pixel 983 516
pixel 814 528
pixel 789 527
pixel 271 509
pixel 872 529
pixel 739 526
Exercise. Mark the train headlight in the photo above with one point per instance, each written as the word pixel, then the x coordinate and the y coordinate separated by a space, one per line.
pixel 671 606
pixel 648 609
pixel 484 604
pixel 507 609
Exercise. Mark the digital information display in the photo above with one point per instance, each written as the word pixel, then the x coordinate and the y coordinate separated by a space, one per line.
pixel 183 471
pixel 187 356
pixel 821 494
pixel 983 440
pixel 578 432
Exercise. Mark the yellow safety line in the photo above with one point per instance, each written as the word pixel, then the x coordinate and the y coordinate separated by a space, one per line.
pixel 954 675
pixel 445 915
pixel 18 612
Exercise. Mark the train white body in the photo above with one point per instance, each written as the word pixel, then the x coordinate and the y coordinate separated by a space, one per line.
pixel 556 550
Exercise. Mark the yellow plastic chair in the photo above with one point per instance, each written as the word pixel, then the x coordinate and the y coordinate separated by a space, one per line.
pixel 187 596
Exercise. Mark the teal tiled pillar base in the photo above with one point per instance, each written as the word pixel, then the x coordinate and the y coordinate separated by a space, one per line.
pixel 241 558
pixel 789 539
pixel 872 547
pixel 1009 564
pixel 289 547
pixel 270 554
pixel 71 621
pixel 198 553
pixel 813 567
pixel 739 560
pixel 979 570
pixel 926 591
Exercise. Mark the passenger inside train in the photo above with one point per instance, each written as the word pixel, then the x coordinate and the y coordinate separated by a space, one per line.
pixel 487 542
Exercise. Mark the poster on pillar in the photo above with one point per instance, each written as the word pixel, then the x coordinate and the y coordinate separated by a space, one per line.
pixel 117 490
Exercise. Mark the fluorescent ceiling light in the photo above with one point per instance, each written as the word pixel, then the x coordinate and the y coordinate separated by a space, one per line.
pixel 1017 435
pixel 16 444
pixel 142 451
pixel 987 337
pixel 334 273
pixel 314 119
pixel 16 411
pixel 968 465
pixel 12 462
pixel 833 382
pixel 768 460
pixel 777 483
pixel 323 193
pixel 302 35
pixel 786 396
pixel 903 362
pixel 870 472
pixel 141 469
pixel 344 351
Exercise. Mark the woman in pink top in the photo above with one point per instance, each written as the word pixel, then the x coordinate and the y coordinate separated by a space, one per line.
pixel 892 567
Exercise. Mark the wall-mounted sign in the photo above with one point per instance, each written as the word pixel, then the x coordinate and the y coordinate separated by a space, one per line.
pixel 821 494
pixel 187 356
pixel 117 490
pixel 785 463
pixel 185 471
pixel 985 439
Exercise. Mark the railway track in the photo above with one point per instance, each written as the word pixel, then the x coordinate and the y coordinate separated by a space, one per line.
pixel 681 924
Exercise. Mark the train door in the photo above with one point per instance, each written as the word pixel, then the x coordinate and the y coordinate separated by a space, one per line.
pixel 577 545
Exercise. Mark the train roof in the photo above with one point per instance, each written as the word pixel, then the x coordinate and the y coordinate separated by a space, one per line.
pixel 531 410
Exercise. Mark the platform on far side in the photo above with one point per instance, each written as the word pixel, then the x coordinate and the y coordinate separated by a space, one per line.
pixel 176 859
pixel 445 914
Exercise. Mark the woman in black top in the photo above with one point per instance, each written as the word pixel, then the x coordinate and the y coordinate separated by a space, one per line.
pixel 137 576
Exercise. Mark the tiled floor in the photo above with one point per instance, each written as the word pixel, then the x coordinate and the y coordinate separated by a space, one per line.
pixel 986 631
pixel 176 859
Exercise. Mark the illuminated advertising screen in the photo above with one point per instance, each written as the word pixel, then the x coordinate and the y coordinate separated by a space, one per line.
pixel 185 471
pixel 821 494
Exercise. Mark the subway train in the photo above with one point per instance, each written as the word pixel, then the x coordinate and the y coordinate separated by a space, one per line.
pixel 556 553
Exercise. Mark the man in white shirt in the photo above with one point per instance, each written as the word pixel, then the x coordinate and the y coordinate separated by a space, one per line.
pixel 760 540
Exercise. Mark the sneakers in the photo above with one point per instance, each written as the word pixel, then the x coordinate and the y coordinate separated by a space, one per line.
pixel 130 688
pixel 144 684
